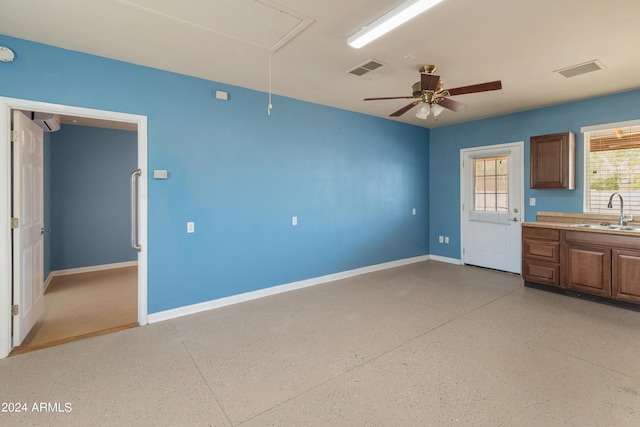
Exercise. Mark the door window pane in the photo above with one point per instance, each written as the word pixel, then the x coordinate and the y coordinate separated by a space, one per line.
pixel 491 184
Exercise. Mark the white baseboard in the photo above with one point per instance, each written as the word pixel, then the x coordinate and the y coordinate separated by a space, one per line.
pixel 235 299
pixel 47 282
pixel 87 270
pixel 448 260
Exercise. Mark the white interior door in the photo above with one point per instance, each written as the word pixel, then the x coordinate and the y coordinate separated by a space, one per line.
pixel 28 241
pixel 492 206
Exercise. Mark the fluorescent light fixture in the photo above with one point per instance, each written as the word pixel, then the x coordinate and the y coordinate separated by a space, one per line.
pixel 394 18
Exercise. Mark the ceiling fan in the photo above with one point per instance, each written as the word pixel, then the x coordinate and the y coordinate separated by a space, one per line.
pixel 433 97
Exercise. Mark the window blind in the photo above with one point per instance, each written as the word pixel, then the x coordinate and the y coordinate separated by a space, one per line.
pixel 612 165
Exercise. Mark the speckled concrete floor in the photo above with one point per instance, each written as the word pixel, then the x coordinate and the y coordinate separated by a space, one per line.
pixel 427 344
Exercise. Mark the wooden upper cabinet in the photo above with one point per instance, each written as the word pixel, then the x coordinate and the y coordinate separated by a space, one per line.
pixel 553 161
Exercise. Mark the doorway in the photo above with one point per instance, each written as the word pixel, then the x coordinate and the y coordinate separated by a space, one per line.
pixel 83 305
pixel 7 341
pixel 492 206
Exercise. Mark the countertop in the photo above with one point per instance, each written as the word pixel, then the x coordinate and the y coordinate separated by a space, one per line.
pixel 564 221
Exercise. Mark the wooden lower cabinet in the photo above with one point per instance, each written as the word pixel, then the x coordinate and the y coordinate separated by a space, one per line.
pixel 600 264
pixel 541 255
pixel 626 275
pixel 588 269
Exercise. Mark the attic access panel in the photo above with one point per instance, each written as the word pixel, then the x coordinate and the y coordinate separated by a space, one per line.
pixel 260 23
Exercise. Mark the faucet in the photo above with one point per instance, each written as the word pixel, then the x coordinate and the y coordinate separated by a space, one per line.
pixel 623 220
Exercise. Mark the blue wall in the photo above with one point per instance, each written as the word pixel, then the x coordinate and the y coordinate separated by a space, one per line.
pixel 446 142
pixel 240 175
pixel 90 215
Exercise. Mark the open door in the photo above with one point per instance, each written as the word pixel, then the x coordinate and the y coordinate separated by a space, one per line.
pixel 28 225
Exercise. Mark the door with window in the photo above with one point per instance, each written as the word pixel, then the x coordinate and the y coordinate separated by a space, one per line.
pixel 492 206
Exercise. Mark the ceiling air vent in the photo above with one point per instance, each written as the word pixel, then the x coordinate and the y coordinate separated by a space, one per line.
pixel 576 70
pixel 371 69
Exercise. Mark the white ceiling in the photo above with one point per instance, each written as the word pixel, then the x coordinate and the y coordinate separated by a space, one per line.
pixel 519 42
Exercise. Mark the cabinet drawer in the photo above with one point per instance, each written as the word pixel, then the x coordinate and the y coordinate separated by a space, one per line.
pixel 541 272
pixel 602 239
pixel 535 233
pixel 541 250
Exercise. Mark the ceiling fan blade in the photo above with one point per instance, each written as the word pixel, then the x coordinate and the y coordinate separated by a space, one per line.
pixel 451 104
pixel 404 109
pixel 482 87
pixel 390 97
pixel 429 81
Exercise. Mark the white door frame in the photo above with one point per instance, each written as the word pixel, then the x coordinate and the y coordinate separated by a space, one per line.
pixel 8 104
pixel 463 196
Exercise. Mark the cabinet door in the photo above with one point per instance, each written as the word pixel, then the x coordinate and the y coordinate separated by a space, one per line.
pixel 553 161
pixel 626 275
pixel 588 269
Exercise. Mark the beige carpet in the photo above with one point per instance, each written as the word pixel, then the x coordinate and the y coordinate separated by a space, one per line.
pixel 86 303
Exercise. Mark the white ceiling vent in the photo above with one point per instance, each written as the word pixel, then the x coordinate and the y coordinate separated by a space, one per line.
pixel 371 69
pixel 576 70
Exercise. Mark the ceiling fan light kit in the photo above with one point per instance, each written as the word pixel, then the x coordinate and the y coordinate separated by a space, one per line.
pixel 436 109
pixel 392 19
pixel 423 111
pixel 433 97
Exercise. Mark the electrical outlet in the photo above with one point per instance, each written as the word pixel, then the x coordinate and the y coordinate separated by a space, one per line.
pixel 440 239
pixel 294 220
pixel 446 239
pixel 191 227
pixel 532 201
pixel 413 212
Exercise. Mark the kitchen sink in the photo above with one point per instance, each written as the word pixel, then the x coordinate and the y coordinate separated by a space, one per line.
pixel 608 227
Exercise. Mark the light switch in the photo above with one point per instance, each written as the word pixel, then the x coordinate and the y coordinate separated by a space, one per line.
pixel 191 227
pixel 532 201
pixel 160 174
pixel 413 212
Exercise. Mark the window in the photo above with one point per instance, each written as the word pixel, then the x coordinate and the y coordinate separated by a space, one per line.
pixel 491 184
pixel 612 164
